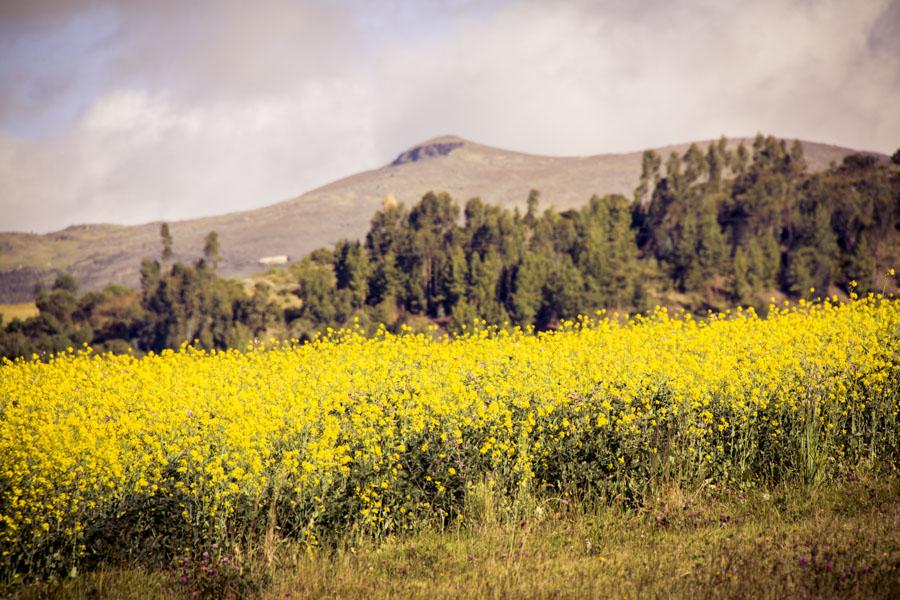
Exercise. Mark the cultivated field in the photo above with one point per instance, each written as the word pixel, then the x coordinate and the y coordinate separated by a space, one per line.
pixel 338 454
pixel 22 311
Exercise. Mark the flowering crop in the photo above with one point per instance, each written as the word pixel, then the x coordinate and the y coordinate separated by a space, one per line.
pixel 376 435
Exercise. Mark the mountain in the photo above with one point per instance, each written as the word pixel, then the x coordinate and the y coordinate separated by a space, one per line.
pixel 101 254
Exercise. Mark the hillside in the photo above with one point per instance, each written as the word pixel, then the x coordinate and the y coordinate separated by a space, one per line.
pixel 100 254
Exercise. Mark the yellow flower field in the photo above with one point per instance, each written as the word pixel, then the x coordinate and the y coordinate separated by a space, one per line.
pixel 371 436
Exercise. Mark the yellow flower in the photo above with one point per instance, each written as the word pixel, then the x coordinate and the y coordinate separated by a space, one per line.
pixel 218 434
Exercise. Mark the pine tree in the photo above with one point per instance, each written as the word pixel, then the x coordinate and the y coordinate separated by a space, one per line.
pixel 741 160
pixel 211 249
pixel 528 283
pixel 714 165
pixel 531 215
pixel 695 164
pixel 741 287
pixel 166 241
pixel 650 164
pixel 352 270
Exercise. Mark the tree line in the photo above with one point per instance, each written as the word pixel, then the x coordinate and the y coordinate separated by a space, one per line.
pixel 704 230
pixel 177 303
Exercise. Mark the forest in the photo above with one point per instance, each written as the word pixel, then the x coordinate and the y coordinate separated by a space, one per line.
pixel 704 231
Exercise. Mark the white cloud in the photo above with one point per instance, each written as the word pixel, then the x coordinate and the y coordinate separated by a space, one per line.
pixel 136 157
pixel 598 77
pixel 191 113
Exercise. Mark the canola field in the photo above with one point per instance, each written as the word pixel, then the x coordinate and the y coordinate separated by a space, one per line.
pixel 117 456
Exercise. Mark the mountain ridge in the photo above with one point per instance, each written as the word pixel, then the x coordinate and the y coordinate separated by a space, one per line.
pixel 99 254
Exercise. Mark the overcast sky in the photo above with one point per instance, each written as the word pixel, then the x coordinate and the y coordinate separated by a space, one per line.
pixel 133 111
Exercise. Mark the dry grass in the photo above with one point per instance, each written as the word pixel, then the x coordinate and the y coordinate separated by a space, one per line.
pixel 22 311
pixel 840 541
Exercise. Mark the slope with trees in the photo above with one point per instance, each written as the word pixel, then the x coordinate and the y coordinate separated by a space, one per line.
pixel 705 230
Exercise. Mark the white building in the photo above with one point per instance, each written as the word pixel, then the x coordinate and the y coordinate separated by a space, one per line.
pixel 281 259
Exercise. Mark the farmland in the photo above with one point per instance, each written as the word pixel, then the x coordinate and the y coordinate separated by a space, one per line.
pixel 355 443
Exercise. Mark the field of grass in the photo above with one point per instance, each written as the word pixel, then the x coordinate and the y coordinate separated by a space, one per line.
pixel 18 311
pixel 841 540
pixel 662 455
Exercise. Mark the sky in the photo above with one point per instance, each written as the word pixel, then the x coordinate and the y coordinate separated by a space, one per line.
pixel 142 110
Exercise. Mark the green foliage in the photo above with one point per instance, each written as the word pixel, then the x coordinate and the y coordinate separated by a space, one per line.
pixel 351 269
pixel 192 305
pixel 185 304
pixel 316 283
pixel 211 249
pixel 166 237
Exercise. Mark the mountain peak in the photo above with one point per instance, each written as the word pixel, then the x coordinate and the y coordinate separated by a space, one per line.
pixel 433 148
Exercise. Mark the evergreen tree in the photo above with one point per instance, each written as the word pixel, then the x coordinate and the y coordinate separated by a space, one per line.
pixel 695 164
pixel 741 287
pixel 166 237
pixel 528 284
pixel 211 249
pixel 315 285
pixel 385 282
pixel 714 165
pixel 741 160
pixel 650 164
pixel 352 271
pixel 531 215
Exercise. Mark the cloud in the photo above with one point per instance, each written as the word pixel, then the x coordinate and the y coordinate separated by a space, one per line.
pixel 137 111
pixel 611 76
pixel 136 157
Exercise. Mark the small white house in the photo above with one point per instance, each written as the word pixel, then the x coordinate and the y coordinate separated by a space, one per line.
pixel 281 259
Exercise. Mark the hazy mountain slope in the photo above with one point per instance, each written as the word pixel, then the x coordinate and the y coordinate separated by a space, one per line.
pixel 102 254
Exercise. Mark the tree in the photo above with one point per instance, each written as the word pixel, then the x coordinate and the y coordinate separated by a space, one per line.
pixel 453 279
pixel 797 160
pixel 714 164
pixel 711 246
pixel 726 155
pixel 386 229
pixel 385 282
pixel 432 224
pixel 483 277
pixel 534 197
pixel 562 293
pixel 316 285
pixel 62 300
pixel 741 159
pixel 166 241
pixel 351 269
pixel 740 287
pixel 211 249
pixel 150 275
pixel 695 164
pixel 605 252
pixel 257 313
pixel 650 164
pixel 528 284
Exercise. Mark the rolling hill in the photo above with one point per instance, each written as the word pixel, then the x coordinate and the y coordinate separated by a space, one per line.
pixel 101 254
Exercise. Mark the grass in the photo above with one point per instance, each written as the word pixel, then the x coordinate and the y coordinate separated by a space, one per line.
pixel 837 540
pixel 18 311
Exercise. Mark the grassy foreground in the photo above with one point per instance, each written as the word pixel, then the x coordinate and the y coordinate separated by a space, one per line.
pixel 840 540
